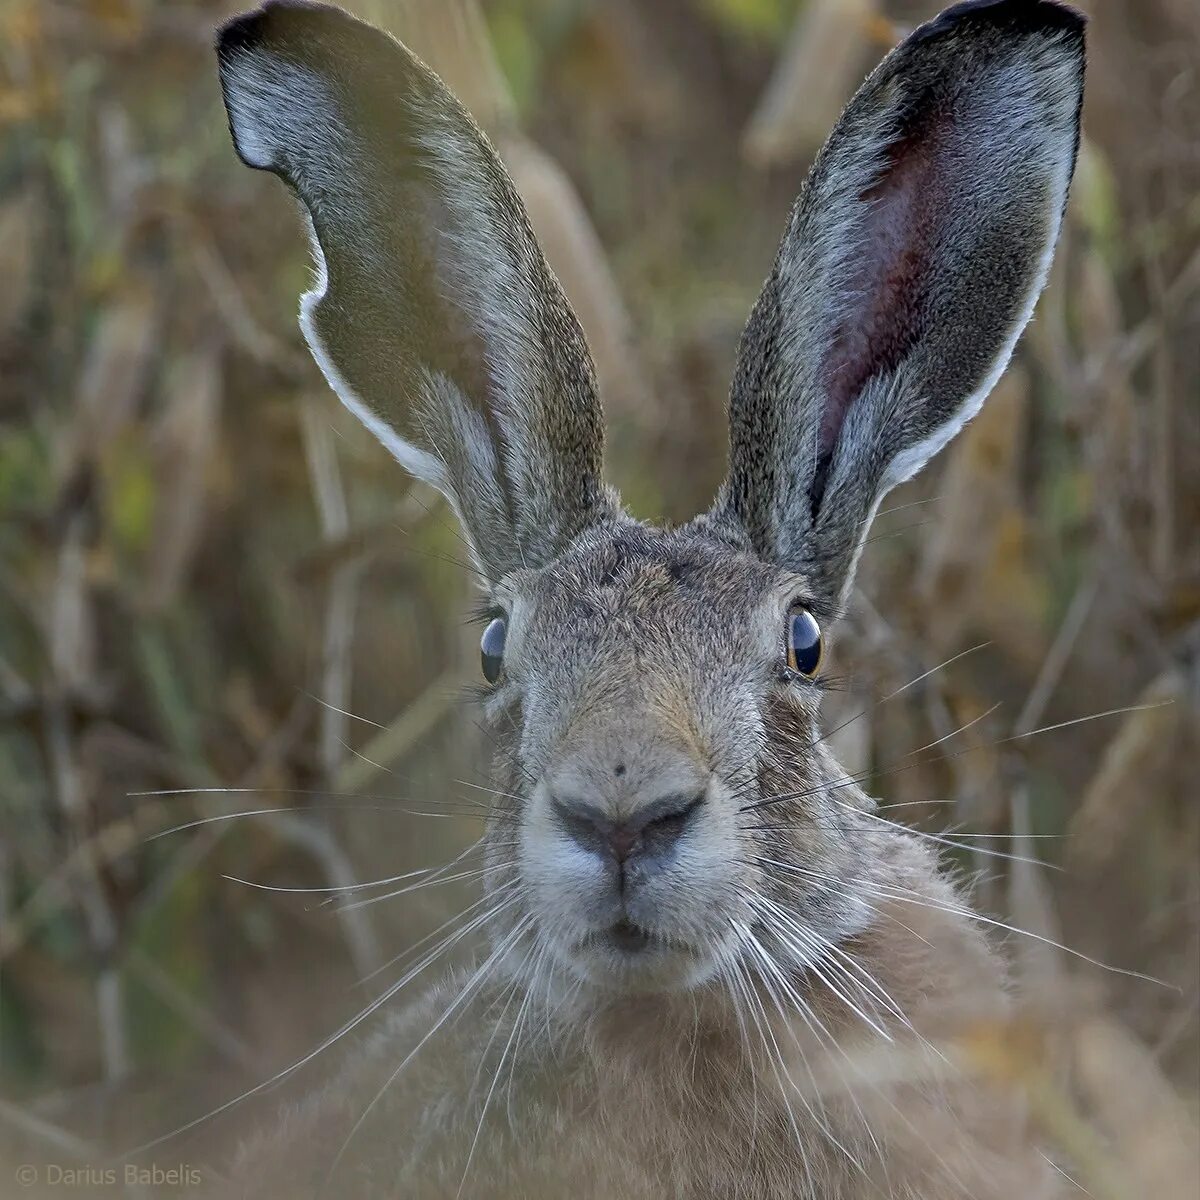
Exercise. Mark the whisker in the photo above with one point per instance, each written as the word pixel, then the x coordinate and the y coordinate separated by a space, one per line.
pixel 862 776
pixel 491 737
pixel 500 1065
pixel 342 712
pixel 354 887
pixel 491 791
pixel 341 1032
pixel 818 1029
pixel 746 936
pixel 738 988
pixel 349 799
pixel 455 1005
pixel 781 915
pixel 852 780
pixel 891 533
pixel 342 806
pixel 898 691
pixel 457 877
pixel 883 512
pixel 952 841
pixel 1037 937
pixel 889 892
pixel 499 892
pixel 812 964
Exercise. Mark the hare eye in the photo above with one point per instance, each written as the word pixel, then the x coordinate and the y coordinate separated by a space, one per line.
pixel 491 649
pixel 804 646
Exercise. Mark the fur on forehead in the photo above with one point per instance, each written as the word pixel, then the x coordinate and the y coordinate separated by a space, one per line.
pixel 628 560
pixel 638 636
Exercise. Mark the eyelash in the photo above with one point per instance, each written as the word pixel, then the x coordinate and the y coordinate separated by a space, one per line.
pixel 789 678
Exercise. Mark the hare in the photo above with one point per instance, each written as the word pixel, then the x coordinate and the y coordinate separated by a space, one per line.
pixel 709 971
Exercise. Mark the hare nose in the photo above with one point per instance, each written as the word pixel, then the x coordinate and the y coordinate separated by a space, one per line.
pixel 651 832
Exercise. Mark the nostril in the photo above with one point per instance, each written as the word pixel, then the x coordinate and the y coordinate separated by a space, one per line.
pixel 674 816
pixel 652 830
pixel 584 824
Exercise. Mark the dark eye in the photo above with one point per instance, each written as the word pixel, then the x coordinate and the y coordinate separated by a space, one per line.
pixel 491 648
pixel 804 646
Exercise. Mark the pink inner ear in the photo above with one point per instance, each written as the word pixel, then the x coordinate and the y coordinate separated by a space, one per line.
pixel 883 315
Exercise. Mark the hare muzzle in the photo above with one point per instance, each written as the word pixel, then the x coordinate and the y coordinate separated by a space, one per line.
pixel 623 833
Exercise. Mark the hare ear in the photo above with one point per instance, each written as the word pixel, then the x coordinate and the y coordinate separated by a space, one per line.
pixel 913 259
pixel 433 316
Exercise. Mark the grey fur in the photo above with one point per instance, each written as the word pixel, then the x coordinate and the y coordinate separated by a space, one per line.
pixel 643 663
pixel 434 315
pixel 848 381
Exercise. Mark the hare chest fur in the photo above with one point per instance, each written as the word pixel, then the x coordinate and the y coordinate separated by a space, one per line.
pixel 710 969
pixel 533 1092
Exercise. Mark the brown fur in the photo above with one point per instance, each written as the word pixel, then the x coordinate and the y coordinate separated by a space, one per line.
pixel 711 969
pixel 650 1097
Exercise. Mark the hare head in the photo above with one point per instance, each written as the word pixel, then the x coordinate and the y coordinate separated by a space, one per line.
pixel 662 784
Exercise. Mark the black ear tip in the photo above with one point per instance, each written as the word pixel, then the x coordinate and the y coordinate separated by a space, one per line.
pixel 278 19
pixel 239 33
pixel 1021 17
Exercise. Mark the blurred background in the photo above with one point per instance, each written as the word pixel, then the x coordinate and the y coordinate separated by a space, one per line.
pixel 206 566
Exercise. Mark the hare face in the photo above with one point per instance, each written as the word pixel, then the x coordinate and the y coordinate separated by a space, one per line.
pixel 639 704
pixel 644 707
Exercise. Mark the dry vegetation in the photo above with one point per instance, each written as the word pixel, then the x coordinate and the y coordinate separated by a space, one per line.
pixel 202 560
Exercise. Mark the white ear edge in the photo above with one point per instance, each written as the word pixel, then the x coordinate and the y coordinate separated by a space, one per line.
pixel 277 105
pixel 271 106
pixel 1059 169
pixel 908 462
pixel 417 462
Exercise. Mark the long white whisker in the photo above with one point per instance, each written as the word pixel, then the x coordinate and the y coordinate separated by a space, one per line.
pixel 834 886
pixel 746 990
pixel 887 892
pixel 901 766
pixel 491 791
pixel 288 809
pixel 729 977
pixel 467 992
pixel 346 1028
pixel 819 1030
pixel 824 946
pixel 436 881
pixel 952 841
pixel 344 712
pixel 354 887
pixel 491 898
pixel 512 992
pixel 898 691
pixel 815 962
pixel 748 939
pixel 884 891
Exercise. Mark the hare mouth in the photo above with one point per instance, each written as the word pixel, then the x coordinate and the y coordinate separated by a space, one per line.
pixel 627 957
pixel 627 938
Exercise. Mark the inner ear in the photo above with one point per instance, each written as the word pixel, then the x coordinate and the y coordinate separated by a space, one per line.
pixel 456 341
pixel 885 313
pixel 912 260
pixel 410 274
